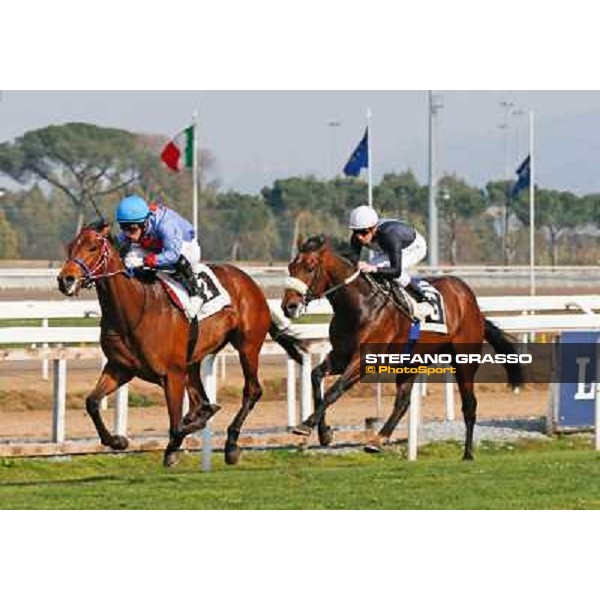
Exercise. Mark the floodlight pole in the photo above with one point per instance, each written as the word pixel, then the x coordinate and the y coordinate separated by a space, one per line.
pixel 532 286
pixel 195 215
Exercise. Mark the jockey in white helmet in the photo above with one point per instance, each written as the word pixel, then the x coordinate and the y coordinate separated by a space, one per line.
pixel 396 245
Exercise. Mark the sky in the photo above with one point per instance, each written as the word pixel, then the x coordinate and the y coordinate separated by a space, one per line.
pixel 259 136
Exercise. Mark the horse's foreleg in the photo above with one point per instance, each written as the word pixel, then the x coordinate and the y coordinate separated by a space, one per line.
pixel 317 376
pixel 401 404
pixel 113 377
pixel 349 378
pixel 174 387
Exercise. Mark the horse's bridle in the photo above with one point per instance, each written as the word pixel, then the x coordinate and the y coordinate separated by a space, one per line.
pixel 307 290
pixel 99 269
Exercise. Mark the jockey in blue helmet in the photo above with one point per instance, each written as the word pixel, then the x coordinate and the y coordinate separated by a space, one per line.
pixel 168 238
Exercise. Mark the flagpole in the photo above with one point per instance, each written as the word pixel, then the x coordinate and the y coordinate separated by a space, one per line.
pixel 531 205
pixel 434 106
pixel 370 155
pixel 195 174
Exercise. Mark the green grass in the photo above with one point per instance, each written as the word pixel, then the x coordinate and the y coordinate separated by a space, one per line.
pixel 63 322
pixel 562 474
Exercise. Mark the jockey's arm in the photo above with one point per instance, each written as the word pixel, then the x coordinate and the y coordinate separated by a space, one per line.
pixel 392 246
pixel 172 242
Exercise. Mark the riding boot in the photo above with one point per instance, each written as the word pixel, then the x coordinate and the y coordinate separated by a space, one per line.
pixel 415 291
pixel 424 308
pixel 187 277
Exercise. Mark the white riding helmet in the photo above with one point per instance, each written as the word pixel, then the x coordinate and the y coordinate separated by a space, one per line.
pixel 363 217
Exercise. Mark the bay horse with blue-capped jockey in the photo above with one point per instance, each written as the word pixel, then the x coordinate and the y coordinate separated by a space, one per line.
pixel 144 335
pixel 365 312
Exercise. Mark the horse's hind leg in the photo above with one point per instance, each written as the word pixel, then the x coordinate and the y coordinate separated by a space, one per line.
pixel 113 377
pixel 174 386
pixel 465 375
pixel 252 393
pixel 403 390
pixel 201 410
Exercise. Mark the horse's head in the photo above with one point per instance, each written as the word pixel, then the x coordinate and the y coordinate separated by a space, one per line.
pixel 309 278
pixel 88 259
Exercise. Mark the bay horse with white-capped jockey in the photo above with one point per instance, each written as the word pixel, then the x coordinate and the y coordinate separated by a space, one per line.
pixel 144 335
pixel 365 312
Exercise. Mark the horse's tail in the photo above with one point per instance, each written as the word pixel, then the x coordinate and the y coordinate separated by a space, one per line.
pixel 288 341
pixel 503 344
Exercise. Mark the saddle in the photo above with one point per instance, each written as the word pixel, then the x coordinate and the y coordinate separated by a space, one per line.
pixel 434 320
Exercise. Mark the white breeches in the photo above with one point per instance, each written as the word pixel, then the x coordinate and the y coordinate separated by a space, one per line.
pixel 191 250
pixel 411 255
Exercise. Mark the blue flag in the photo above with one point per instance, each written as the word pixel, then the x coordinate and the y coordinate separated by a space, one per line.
pixel 359 159
pixel 524 178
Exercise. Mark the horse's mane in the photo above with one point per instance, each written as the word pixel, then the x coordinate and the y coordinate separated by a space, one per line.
pixel 340 248
pixel 313 244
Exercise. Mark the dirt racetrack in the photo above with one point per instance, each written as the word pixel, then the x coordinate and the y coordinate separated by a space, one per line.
pixel 26 401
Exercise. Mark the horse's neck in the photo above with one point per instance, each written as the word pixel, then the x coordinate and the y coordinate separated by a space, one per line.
pixel 121 300
pixel 349 298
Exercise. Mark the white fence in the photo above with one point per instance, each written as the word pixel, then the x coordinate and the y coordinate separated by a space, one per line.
pixel 571 313
pixel 274 276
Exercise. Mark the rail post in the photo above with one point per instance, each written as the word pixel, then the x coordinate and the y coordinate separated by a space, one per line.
pixel 45 361
pixel 210 385
pixel 121 406
pixel 306 387
pixel 449 396
pixel 291 394
pixel 413 420
pixel 60 399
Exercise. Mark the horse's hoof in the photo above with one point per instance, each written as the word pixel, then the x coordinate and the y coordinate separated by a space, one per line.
pixel 326 437
pixel 303 430
pixel 468 457
pixel 373 447
pixel 119 443
pixel 170 460
pixel 232 455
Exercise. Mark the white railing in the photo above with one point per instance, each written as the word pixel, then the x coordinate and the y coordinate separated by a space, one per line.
pixel 316 335
pixel 40 278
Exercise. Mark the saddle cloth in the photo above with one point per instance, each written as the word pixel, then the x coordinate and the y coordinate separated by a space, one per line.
pixel 436 323
pixel 212 299
pixel 213 296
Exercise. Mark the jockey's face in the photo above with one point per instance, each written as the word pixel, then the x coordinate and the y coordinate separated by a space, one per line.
pixel 133 231
pixel 365 236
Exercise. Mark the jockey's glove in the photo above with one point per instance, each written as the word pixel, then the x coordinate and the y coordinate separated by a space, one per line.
pixel 150 261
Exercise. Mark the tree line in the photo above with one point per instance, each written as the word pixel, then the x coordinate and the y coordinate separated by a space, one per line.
pixel 69 174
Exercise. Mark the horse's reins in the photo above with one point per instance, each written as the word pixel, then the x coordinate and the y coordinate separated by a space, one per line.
pixel 308 295
pixel 306 291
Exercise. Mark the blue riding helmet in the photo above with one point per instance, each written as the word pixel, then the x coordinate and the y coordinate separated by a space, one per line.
pixel 132 209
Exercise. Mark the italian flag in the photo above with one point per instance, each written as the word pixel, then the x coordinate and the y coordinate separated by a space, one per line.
pixel 181 145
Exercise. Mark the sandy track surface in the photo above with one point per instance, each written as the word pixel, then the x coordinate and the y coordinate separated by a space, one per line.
pixel 26 401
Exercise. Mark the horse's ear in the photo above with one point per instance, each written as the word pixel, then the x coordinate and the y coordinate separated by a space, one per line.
pixel 300 242
pixel 323 241
pixel 103 227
